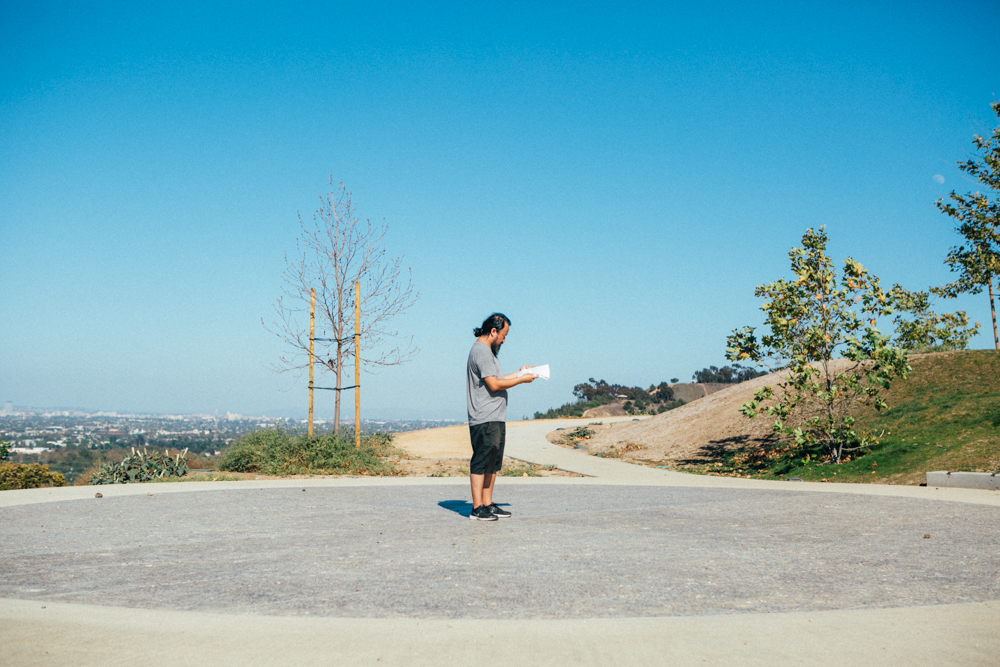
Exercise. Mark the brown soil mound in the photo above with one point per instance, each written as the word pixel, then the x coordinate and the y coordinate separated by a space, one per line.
pixel 691 432
pixel 441 442
pixel 692 391
pixel 609 410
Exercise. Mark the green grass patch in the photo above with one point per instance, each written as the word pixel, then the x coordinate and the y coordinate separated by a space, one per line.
pixel 276 452
pixel 945 416
pixel 521 469
pixel 200 477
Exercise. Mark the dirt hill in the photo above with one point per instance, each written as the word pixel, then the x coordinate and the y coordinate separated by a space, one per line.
pixel 944 416
pixel 692 431
pixel 685 391
pixel 692 391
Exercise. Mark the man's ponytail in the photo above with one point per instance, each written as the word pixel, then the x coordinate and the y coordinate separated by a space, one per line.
pixel 494 321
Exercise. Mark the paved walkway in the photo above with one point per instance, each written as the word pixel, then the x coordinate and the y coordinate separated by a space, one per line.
pixel 629 565
pixel 527 442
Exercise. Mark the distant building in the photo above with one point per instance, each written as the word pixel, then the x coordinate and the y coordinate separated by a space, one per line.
pixel 29 450
pixel 8 409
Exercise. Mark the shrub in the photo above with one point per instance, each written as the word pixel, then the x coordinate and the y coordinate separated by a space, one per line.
pixel 670 405
pixel 727 374
pixel 276 452
pixel 27 476
pixel 141 467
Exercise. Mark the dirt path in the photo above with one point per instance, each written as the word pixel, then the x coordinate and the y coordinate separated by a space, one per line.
pixel 442 442
pixel 445 452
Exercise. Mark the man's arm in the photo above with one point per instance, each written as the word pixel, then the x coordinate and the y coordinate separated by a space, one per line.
pixel 493 383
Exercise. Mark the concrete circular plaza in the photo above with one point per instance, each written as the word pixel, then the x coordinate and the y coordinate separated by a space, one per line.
pixel 568 552
pixel 666 568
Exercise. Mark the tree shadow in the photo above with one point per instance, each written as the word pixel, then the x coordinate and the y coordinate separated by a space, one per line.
pixel 715 449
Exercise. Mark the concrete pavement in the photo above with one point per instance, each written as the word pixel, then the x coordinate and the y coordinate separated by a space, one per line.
pixel 61 634
pixel 609 568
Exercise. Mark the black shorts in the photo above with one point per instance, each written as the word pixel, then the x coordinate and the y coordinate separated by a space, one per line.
pixel 487 447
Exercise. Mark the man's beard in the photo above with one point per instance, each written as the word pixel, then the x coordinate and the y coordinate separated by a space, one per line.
pixel 495 347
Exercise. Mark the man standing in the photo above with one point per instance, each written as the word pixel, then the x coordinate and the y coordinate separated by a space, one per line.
pixel 486 396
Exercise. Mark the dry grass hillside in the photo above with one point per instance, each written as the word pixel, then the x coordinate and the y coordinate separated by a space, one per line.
pixel 685 391
pixel 692 432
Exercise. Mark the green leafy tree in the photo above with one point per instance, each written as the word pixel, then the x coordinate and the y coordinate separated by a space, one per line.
pixel 664 392
pixel 4 449
pixel 822 315
pixel 977 261
pixel 727 374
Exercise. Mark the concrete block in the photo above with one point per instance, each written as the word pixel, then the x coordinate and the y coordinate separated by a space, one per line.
pixel 964 480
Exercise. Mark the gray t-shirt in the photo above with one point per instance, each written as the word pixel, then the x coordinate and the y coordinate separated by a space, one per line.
pixel 484 405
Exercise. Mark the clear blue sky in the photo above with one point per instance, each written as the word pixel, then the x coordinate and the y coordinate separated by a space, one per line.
pixel 616 179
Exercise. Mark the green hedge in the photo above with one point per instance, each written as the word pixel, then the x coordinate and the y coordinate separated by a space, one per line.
pixel 27 476
pixel 275 452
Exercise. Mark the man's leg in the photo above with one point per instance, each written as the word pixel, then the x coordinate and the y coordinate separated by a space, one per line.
pixel 486 490
pixel 477 482
pixel 499 437
pixel 478 463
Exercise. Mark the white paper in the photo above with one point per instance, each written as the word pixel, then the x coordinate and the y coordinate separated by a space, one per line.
pixel 540 371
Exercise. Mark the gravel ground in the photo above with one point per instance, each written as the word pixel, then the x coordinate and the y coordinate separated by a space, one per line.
pixel 569 552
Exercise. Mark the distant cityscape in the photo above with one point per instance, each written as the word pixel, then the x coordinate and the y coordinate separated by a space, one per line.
pixel 34 430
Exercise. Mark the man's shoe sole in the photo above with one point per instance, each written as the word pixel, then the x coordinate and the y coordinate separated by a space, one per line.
pixel 488 517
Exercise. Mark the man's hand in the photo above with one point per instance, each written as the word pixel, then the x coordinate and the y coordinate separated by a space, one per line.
pixel 494 383
pixel 525 378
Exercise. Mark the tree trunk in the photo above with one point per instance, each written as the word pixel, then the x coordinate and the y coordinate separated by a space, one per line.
pixel 993 312
pixel 336 404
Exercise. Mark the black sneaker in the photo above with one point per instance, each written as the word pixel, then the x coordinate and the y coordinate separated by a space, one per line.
pixel 482 513
pixel 498 512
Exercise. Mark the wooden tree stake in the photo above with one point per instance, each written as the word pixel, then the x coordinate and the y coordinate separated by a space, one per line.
pixel 357 365
pixel 312 343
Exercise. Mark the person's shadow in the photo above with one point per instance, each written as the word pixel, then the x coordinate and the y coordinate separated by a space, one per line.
pixel 460 507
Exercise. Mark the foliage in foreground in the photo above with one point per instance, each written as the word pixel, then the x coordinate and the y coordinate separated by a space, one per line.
pixel 27 476
pixel 944 416
pixel 79 462
pixel 822 315
pixel 276 452
pixel 142 467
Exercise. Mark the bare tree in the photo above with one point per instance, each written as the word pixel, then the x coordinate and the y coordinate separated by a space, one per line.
pixel 334 250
